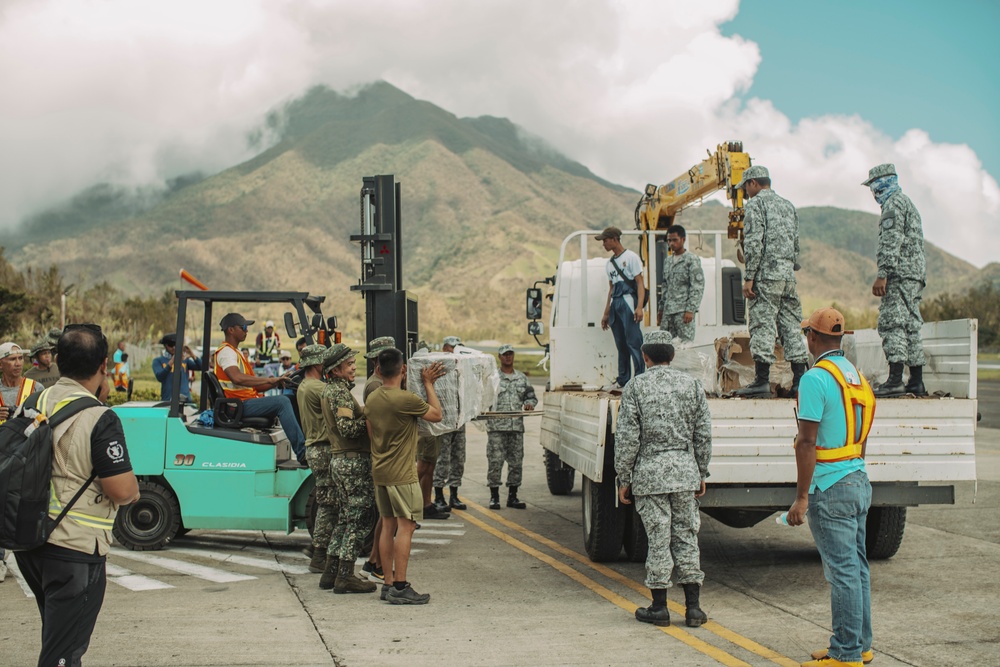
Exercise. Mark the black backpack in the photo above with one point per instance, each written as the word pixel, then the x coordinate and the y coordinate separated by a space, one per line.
pixel 26 473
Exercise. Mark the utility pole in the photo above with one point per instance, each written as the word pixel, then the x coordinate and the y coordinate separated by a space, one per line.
pixel 62 304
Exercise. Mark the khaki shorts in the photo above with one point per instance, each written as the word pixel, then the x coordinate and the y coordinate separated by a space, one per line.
pixel 405 501
pixel 428 448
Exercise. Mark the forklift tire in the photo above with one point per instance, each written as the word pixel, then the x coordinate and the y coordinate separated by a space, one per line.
pixel 150 523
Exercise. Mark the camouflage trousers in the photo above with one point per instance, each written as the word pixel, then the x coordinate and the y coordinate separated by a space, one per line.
pixel 776 313
pixel 672 522
pixel 674 323
pixel 318 458
pixel 504 446
pixel 451 461
pixel 899 322
pixel 355 496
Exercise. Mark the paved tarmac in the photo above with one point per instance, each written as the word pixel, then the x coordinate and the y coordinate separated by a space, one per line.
pixel 513 588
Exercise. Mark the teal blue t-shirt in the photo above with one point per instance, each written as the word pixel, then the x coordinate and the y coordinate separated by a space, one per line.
pixel 820 401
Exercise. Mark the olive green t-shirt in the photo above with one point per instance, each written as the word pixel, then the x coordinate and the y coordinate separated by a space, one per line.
pixel 374 382
pixel 310 398
pixel 393 414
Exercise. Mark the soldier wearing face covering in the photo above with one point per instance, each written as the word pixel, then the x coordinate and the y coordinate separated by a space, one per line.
pixel 902 273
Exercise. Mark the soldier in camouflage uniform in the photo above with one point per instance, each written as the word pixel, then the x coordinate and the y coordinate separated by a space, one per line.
pixel 317 438
pixel 505 437
pixel 771 254
pixel 902 273
pixel 350 472
pixel 682 288
pixel 663 445
pixel 450 464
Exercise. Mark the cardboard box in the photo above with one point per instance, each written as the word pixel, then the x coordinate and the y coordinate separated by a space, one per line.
pixel 736 368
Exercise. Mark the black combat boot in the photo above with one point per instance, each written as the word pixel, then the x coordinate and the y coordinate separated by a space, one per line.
pixel 512 500
pixel 915 385
pixel 329 577
pixel 494 497
pixel 346 582
pixel 655 613
pixel 439 500
pixel 798 370
pixel 693 615
pixel 761 386
pixel 318 561
pixel 893 385
pixel 454 502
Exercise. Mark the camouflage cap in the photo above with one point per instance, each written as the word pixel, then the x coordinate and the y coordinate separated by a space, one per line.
pixel 750 173
pixel 504 349
pixel 53 337
pixel 378 345
pixel 312 355
pixel 337 354
pixel 423 345
pixel 452 340
pixel 658 337
pixel 41 346
pixel 609 233
pixel 887 169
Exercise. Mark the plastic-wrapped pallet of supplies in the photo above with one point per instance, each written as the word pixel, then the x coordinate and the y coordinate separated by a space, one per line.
pixel 467 389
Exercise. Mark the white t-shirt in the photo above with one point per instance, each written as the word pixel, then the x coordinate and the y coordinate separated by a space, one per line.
pixel 631 266
pixel 227 357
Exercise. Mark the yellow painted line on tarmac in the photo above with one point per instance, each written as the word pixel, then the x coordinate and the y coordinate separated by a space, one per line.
pixel 606 593
pixel 711 626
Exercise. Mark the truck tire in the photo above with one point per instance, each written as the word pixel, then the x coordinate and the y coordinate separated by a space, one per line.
pixel 603 523
pixel 884 534
pixel 150 523
pixel 559 477
pixel 635 540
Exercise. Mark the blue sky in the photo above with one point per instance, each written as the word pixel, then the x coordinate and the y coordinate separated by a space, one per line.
pixel 899 65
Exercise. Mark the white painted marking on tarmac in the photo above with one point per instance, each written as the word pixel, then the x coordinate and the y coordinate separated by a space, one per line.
pixel 133 582
pixel 199 571
pixel 428 540
pixel 243 560
pixel 16 571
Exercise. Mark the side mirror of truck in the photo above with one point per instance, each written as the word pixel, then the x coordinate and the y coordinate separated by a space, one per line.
pixel 536 328
pixel 534 303
pixel 290 325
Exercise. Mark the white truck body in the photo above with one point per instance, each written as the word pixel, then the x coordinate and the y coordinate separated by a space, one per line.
pixel 918 449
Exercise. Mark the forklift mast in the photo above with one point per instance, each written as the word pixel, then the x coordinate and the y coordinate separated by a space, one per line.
pixel 388 311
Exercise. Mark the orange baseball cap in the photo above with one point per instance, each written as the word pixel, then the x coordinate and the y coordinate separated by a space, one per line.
pixel 827 321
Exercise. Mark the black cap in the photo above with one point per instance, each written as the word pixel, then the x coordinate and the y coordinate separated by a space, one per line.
pixel 234 320
pixel 169 339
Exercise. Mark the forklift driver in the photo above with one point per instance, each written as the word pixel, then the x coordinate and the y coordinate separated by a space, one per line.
pixel 238 381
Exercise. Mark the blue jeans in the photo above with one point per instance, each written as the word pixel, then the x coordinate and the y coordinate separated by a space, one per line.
pixel 837 521
pixel 628 339
pixel 280 407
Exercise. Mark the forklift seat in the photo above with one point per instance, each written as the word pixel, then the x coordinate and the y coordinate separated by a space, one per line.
pixel 228 412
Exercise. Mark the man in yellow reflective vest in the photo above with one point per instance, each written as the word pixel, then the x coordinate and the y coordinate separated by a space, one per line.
pixel 14 387
pixel 836 407
pixel 67 573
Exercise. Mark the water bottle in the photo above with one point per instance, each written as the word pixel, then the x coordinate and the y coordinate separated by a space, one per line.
pixel 782 519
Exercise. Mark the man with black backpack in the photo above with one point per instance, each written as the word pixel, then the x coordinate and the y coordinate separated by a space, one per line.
pixel 63 547
pixel 624 311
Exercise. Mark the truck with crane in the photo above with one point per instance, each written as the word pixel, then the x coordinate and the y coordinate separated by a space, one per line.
pixel 920 451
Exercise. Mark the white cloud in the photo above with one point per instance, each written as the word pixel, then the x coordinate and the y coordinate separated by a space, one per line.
pixel 635 89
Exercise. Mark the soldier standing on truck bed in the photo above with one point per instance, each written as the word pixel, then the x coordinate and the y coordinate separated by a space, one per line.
pixel 902 274
pixel 623 312
pixel 683 287
pixel 771 254
pixel 662 449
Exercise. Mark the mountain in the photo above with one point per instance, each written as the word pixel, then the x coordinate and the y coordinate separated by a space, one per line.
pixel 485 207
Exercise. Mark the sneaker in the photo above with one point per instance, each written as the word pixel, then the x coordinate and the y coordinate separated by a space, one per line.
pixel 384 595
pixel 407 596
pixel 866 656
pixel 432 511
pixel 373 572
pixel 614 386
